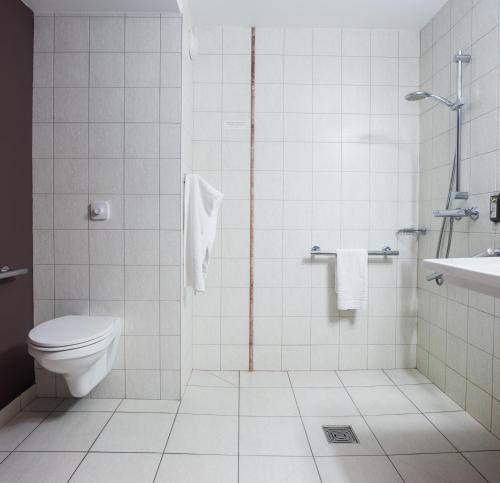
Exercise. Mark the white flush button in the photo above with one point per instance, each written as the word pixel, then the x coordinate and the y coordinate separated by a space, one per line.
pixel 100 210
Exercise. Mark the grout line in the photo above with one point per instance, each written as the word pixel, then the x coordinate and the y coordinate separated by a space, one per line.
pixel 90 447
pixel 161 349
pixel 474 466
pixel 166 442
pixel 122 228
pixel 31 432
pixel 304 427
pixel 371 430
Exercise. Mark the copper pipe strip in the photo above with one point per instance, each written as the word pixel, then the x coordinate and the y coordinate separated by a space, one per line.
pixel 252 203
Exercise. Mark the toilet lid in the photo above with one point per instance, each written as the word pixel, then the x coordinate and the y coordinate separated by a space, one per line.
pixel 70 330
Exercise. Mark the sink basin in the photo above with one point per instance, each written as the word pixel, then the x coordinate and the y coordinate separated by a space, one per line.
pixel 479 274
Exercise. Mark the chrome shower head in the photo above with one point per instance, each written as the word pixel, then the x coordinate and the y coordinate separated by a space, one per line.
pixel 419 95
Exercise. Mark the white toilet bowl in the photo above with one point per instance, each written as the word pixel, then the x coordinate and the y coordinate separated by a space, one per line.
pixel 80 348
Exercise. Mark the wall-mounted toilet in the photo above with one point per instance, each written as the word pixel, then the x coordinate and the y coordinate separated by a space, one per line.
pixel 80 348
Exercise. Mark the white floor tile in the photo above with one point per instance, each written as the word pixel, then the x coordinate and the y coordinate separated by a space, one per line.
pixel 39 467
pixel 210 400
pixel 148 406
pixel 357 469
pixel 464 431
pixel 203 434
pixel 321 447
pixel 487 463
pixel 273 437
pixel 66 432
pixel 278 469
pixel 3 455
pixel 406 376
pixel 117 468
pixel 267 402
pixel 325 402
pixel 364 378
pixel 408 434
pixel 315 379
pixel 87 404
pixel 43 404
pixel 436 468
pixel 184 468
pixel 264 379
pixel 214 378
pixel 381 400
pixel 428 398
pixel 135 433
pixel 19 428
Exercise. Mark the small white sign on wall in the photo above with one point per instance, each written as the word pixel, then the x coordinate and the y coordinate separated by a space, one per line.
pixel 235 125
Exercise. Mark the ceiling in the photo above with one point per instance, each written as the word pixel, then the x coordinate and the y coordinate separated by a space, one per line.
pixel 389 14
pixel 103 6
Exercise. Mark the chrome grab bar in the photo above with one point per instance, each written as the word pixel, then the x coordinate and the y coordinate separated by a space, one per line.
pixel 489 252
pixel 7 272
pixel 412 231
pixel 386 251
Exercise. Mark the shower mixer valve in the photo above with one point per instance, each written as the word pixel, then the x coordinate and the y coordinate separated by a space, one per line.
pixel 457 214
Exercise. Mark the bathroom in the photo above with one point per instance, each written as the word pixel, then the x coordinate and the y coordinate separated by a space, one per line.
pixel 250 241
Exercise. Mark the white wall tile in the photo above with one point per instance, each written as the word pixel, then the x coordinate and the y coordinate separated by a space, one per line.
pixel 107 34
pixel 107 69
pixel 71 34
pixel 142 34
pixel 71 69
pixel 43 34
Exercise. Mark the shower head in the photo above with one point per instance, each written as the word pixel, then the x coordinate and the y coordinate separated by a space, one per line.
pixel 419 95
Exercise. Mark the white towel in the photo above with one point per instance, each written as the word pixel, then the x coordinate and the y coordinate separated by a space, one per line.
pixel 351 281
pixel 201 207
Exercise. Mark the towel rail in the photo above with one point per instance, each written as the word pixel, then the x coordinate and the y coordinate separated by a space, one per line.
pixel 386 251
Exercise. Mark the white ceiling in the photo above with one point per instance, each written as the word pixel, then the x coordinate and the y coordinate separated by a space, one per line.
pixel 103 6
pixel 389 14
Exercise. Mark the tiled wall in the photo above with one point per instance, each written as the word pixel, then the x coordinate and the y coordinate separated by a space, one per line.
pixel 459 330
pixel 336 166
pixel 107 113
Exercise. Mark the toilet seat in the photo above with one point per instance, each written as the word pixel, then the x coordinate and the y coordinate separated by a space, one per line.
pixel 68 347
pixel 70 332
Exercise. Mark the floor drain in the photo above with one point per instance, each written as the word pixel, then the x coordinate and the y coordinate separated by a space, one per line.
pixel 340 434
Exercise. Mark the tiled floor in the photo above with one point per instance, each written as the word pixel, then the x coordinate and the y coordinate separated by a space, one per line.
pixel 255 428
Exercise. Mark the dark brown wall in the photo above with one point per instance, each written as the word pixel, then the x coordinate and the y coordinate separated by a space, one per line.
pixel 16 239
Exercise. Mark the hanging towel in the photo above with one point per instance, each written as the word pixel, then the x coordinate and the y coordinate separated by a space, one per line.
pixel 201 208
pixel 351 281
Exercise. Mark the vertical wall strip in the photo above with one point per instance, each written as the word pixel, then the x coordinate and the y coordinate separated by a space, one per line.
pixel 252 203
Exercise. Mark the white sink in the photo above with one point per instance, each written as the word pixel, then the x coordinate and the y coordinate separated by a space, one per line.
pixel 479 274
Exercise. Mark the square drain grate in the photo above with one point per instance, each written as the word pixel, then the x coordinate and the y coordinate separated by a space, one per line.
pixel 340 434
